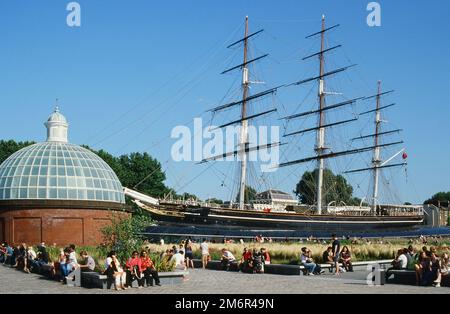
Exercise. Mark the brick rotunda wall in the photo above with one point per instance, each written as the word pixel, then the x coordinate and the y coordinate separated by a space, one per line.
pixel 62 226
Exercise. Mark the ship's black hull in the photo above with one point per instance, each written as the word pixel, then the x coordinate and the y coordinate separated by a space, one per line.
pixel 234 220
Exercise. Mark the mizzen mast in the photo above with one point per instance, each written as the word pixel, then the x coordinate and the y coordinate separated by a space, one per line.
pixel 377 162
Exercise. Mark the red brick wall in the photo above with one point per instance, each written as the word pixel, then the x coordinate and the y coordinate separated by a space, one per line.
pixel 2 230
pixel 60 226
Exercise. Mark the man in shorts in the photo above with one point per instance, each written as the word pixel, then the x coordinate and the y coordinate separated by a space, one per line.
pixel 205 253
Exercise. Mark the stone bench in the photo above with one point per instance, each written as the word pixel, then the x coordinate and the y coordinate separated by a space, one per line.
pixel 100 281
pixel 405 276
pixel 291 270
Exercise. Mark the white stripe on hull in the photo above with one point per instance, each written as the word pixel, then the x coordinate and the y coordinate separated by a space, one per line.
pixel 316 221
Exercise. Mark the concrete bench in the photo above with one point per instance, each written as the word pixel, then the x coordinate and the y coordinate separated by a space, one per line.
pixel 48 270
pixel 292 270
pixel 100 281
pixel 405 276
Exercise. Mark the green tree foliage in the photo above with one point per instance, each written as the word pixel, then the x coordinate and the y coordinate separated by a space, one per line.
pixel 214 201
pixel 335 188
pixel 441 197
pixel 249 195
pixel 124 236
pixel 137 171
pixel 144 171
pixel 7 148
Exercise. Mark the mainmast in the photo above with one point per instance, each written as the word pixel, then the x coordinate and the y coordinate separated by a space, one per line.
pixel 320 147
pixel 244 124
pixel 376 152
pixel 243 146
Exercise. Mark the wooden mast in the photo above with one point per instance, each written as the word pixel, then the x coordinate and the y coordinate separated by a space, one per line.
pixel 320 147
pixel 244 123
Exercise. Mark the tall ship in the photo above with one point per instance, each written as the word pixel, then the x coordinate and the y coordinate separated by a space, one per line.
pixel 275 210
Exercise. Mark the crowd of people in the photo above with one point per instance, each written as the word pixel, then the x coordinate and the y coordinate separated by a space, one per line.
pixel 24 257
pixel 138 267
pixel 430 268
pixel 333 255
pixel 252 260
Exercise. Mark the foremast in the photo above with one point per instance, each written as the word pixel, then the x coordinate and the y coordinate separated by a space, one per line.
pixel 243 146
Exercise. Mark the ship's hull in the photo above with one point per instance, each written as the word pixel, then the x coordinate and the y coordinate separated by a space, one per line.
pixel 314 224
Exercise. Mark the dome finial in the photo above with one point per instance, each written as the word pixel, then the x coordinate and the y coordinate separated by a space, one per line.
pixel 56 126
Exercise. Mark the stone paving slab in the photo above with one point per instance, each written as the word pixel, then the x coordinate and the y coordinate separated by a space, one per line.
pixel 210 282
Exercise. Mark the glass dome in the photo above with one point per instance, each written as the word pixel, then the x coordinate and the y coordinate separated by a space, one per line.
pixel 58 170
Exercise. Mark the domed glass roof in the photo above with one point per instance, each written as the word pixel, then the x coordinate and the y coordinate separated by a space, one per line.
pixel 58 170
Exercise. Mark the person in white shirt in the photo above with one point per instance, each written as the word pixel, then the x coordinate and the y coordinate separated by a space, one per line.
pixel 179 260
pixel 227 259
pixel 205 253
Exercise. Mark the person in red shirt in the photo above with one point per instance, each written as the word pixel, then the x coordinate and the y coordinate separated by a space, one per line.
pixel 149 270
pixel 134 270
pixel 246 261
pixel 266 256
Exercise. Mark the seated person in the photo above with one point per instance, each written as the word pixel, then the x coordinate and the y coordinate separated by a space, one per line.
pixel 444 270
pixel 400 262
pixel 258 262
pixel 134 270
pixel 346 259
pixel 266 256
pixel 88 263
pixel 179 260
pixel 3 253
pixel 149 270
pixel 307 261
pixel 246 263
pixel 115 272
pixel 328 257
pixel 227 259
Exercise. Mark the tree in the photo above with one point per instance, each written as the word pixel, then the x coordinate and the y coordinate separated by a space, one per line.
pixel 124 235
pixel 7 148
pixel 214 201
pixel 335 189
pixel 249 195
pixel 441 197
pixel 142 172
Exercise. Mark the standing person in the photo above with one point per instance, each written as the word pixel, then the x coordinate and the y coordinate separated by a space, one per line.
pixel 336 249
pixel 189 255
pixel 205 253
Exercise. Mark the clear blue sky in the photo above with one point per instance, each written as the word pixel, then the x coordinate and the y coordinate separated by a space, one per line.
pixel 135 69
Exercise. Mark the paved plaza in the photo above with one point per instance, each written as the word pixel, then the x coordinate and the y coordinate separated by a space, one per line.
pixel 211 281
